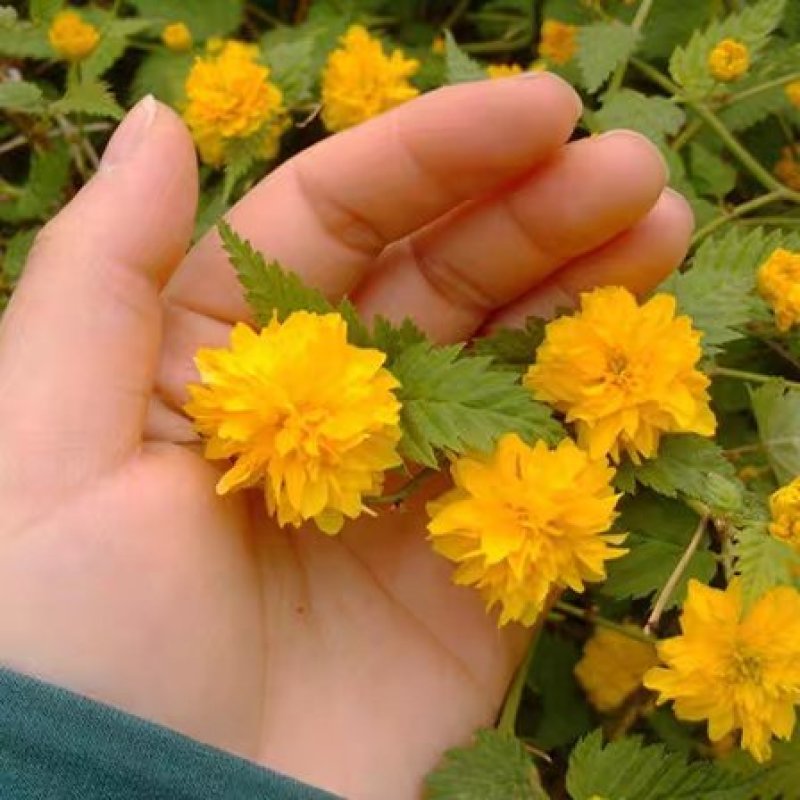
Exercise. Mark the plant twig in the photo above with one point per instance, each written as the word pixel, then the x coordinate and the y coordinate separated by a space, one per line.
pixel 752 377
pixel 585 615
pixel 405 491
pixel 761 87
pixel 735 213
pixel 508 716
pixel 637 23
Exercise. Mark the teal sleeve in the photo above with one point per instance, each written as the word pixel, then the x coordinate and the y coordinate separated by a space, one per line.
pixel 57 745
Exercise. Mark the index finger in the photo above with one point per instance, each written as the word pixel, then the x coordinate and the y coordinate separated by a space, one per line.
pixel 327 213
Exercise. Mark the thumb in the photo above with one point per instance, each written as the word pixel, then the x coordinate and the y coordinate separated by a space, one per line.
pixel 79 343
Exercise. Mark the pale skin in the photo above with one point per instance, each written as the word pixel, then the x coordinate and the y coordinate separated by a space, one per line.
pixel 349 662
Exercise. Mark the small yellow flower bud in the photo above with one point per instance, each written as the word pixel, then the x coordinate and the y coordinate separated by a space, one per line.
pixel 793 93
pixel 559 41
pixel 503 70
pixel 729 60
pixel 177 37
pixel 437 46
pixel 787 170
pixel 71 37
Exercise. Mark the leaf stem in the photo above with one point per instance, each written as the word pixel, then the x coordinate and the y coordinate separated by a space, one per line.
pixel 687 134
pixel 665 595
pixel 753 377
pixel 735 213
pixel 586 615
pixel 761 87
pixel 405 491
pixel 508 716
pixel 637 23
pixel 455 14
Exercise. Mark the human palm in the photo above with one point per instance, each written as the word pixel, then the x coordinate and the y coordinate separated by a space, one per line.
pixel 350 662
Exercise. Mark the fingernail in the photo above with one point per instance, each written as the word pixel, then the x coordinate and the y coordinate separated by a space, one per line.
pixel 540 74
pixel 132 131
pixel 635 136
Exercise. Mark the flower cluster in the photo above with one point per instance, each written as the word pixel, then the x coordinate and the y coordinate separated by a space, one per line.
pixel 779 285
pixel 737 669
pixel 71 36
pixel 624 374
pixel 729 60
pixel 360 81
pixel 230 99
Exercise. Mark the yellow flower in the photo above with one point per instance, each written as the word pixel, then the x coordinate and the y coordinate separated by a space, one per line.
pixel 559 42
pixel 319 439
pixel 503 70
pixel 784 507
pixel 793 93
pixel 525 521
pixel 623 373
pixel 738 670
pixel 612 667
pixel 779 285
pixel 438 46
pixel 71 37
pixel 177 37
pixel 230 98
pixel 729 60
pixel 787 170
pixel 360 81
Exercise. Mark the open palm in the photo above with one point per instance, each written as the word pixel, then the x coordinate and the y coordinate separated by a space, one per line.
pixel 350 662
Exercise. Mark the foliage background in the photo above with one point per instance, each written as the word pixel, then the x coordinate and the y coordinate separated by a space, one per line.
pixel 640 65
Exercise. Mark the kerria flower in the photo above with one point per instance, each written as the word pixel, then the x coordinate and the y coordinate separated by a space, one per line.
pixel 737 669
pixel 784 508
pixel 624 373
pixel 71 37
pixel 525 521
pixel 787 169
pixel 360 81
pixel 177 37
pixel 495 71
pixel 612 667
pixel 318 439
pixel 793 93
pixel 558 42
pixel 729 60
pixel 230 99
pixel 779 285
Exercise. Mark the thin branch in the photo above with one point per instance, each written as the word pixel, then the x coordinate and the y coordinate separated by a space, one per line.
pixel 735 213
pixel 586 615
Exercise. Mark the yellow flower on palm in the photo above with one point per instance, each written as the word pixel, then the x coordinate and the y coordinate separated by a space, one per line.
pixel 737 669
pixel 230 98
pixel 177 37
pixel 503 70
pixel 525 521
pixel 729 60
pixel 612 667
pixel 71 37
pixel 559 41
pixel 779 285
pixel 784 507
pixel 318 439
pixel 624 373
pixel 360 81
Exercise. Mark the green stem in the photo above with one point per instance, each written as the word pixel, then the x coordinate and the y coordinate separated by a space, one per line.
pixel 405 491
pixel 761 87
pixel 637 23
pixel 687 134
pixel 787 221
pixel 736 212
pixel 752 377
pixel 455 14
pixel 508 716
pixel 497 46
pixel 587 616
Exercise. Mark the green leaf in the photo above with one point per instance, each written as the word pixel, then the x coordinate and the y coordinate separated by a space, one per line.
pixel 162 74
pixel 204 18
pixel 601 47
pixel 777 412
pixel 23 40
pixel 659 531
pixel 395 340
pixel 778 779
pixel 671 24
pixel 655 117
pixel 21 96
pixel 93 98
pixel 289 64
pixel 512 348
pixel 627 769
pixel 454 403
pixel 16 254
pixel 494 767
pixel 460 68
pixel 109 49
pixel 717 291
pixel 762 561
pixel 42 11
pixel 270 290
pixel 44 189
pixel 690 465
pixel 712 176
pixel 752 26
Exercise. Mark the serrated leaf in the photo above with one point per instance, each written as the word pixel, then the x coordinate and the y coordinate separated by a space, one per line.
pixel 42 11
pixel 162 74
pixel 512 348
pixel 204 18
pixel 460 67
pixel 16 254
pixel 289 62
pixel 717 291
pixel 671 24
pixel 778 779
pixel 92 98
pixel 395 339
pixel 693 466
pixel 601 47
pixel 43 191
pixel 109 49
pixel 711 175
pixel 655 117
pixel 24 40
pixel 659 531
pixel 455 403
pixel 751 26
pixel 495 767
pixel 777 412
pixel 21 96
pixel 762 561
pixel 630 770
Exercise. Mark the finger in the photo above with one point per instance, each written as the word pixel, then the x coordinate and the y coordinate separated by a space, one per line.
pixel 640 259
pixel 330 211
pixel 79 343
pixel 450 275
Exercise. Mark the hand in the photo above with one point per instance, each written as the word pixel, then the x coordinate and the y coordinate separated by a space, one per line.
pixel 348 662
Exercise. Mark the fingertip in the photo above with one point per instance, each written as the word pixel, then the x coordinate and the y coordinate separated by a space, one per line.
pixel 629 148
